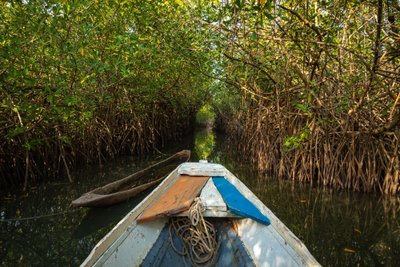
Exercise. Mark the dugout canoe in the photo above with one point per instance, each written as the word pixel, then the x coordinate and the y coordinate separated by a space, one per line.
pixel 130 186
pixel 248 233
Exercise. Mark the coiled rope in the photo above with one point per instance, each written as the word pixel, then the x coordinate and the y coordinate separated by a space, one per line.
pixel 198 235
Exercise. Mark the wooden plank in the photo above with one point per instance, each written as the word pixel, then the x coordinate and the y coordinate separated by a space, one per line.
pixel 176 199
pixel 213 203
pixel 211 199
pixel 201 169
pixel 237 203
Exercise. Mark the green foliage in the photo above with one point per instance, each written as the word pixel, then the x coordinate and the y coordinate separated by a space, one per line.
pixel 304 108
pixel 78 77
pixel 204 144
pixel 205 115
pixel 312 77
pixel 91 79
pixel 295 141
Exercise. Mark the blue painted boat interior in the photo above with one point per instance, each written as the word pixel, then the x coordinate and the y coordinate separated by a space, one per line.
pixel 231 251
pixel 237 203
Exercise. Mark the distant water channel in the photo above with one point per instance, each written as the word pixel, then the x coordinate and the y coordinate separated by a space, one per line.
pixel 38 228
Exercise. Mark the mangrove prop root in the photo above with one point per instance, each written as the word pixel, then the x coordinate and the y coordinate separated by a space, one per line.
pixel 344 160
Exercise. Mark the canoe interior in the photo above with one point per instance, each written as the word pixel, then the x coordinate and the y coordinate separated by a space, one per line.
pixel 131 185
pixel 140 178
pixel 231 251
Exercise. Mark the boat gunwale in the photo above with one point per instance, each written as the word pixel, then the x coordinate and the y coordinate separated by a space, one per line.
pixel 282 230
pixel 122 229
pixel 120 232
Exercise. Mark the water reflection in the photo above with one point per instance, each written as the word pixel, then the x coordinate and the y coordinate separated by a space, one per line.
pixel 94 220
pixel 340 228
pixel 204 143
pixel 66 238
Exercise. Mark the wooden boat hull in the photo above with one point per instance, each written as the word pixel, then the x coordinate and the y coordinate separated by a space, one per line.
pixel 244 242
pixel 119 191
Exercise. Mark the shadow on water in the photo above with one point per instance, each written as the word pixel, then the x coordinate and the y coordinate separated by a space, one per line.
pixel 95 219
pixel 339 228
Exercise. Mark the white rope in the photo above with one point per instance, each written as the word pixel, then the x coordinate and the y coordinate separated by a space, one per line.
pixel 198 235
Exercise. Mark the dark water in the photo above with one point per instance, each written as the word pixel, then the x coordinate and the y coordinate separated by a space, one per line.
pixel 339 228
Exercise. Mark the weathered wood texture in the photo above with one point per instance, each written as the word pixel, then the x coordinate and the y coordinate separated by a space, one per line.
pixel 129 242
pixel 176 199
pixel 129 187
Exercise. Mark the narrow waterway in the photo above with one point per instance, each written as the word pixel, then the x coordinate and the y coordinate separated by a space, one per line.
pixel 38 228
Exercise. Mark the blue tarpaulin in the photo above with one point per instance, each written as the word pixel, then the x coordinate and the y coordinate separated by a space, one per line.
pixel 237 203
